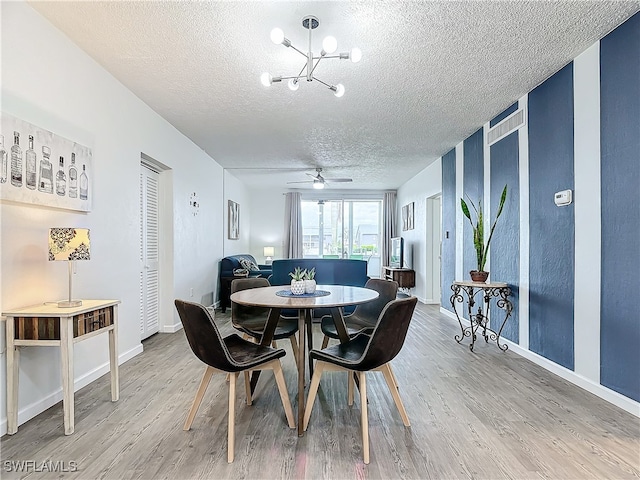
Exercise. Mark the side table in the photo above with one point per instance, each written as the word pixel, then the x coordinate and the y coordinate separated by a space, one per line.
pixel 480 319
pixel 47 325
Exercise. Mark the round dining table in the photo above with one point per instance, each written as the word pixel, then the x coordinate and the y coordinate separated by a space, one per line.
pixel 279 298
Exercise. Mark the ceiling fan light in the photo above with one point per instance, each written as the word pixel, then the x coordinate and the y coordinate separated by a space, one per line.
pixel 329 44
pixel 355 55
pixel 294 84
pixel 339 90
pixel 318 185
pixel 277 36
pixel 266 79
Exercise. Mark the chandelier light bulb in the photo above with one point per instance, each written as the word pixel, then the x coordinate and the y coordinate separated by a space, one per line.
pixel 294 84
pixel 266 79
pixel 277 36
pixel 339 91
pixel 355 55
pixel 329 44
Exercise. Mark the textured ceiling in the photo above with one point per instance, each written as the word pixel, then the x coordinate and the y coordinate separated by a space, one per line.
pixel 431 74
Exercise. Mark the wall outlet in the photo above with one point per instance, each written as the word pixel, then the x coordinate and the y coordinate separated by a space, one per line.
pixel 191 292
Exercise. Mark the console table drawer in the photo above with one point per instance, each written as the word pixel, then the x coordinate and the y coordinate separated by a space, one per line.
pixel 48 328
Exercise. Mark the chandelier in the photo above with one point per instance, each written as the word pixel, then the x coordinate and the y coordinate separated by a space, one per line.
pixel 329 46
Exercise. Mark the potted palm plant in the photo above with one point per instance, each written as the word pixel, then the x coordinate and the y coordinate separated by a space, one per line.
pixel 481 248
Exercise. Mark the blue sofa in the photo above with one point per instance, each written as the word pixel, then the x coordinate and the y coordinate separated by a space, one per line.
pixel 232 262
pixel 227 266
pixel 329 271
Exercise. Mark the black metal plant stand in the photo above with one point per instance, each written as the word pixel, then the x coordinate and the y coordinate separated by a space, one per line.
pixel 480 319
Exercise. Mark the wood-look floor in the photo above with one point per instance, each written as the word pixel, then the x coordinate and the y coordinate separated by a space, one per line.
pixel 478 415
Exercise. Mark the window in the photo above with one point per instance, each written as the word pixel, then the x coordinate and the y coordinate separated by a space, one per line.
pixel 343 229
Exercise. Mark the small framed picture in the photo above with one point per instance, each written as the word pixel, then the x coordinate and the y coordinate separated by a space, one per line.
pixel 234 220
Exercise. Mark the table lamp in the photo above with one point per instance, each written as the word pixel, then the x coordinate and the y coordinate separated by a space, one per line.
pixel 268 253
pixel 69 244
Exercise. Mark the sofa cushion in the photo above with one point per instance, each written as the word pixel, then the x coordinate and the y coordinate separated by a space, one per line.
pixel 232 262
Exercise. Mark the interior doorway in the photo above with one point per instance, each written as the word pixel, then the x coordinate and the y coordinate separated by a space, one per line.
pixel 433 242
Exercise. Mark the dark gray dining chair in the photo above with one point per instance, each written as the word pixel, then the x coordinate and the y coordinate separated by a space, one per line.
pixel 251 321
pixel 366 315
pixel 365 353
pixel 232 355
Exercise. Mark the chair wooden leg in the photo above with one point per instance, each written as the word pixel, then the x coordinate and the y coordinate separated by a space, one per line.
pixel 364 416
pixel 206 378
pixel 350 385
pixel 325 342
pixel 231 438
pixel 284 394
pixel 393 375
pixel 247 386
pixel 294 347
pixel 274 344
pixel 313 390
pixel 393 388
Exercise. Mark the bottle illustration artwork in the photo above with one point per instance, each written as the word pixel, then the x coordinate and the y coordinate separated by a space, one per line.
pixel 16 161
pixel 3 161
pixel 61 179
pixel 73 178
pixel 46 172
pixel 84 184
pixel 30 160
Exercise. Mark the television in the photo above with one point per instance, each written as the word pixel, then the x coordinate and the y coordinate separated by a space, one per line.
pixel 396 259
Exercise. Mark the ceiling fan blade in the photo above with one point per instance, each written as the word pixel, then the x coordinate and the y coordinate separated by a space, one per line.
pixel 339 180
pixel 305 181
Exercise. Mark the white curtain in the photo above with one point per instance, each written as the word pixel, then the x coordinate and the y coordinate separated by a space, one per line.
pixel 388 225
pixel 292 226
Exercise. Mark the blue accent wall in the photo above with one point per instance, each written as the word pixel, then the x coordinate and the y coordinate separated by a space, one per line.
pixel 449 204
pixel 473 188
pixel 620 184
pixel 551 228
pixel 501 116
pixel 505 244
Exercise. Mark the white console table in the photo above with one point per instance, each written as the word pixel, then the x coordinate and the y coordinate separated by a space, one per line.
pixel 47 325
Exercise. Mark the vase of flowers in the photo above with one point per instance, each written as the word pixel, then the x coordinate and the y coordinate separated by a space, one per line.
pixel 310 281
pixel 481 248
pixel 297 281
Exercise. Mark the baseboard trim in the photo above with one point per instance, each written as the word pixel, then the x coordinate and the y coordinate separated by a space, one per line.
pixel 590 386
pixel 32 410
pixel 171 328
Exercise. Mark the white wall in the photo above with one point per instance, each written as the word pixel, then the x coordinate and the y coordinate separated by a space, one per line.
pixel 51 83
pixel 424 185
pixel 267 222
pixel 235 190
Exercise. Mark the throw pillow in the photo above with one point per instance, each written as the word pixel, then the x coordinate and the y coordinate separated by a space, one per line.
pixel 248 264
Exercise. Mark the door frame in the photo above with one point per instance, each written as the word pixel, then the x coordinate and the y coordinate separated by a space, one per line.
pixel 433 242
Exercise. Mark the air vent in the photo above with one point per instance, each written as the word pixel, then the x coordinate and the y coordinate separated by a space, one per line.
pixel 506 126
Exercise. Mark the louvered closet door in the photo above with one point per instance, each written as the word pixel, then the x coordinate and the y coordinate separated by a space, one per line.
pixel 149 252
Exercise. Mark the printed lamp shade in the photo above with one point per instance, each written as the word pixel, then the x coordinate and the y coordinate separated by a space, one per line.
pixel 69 244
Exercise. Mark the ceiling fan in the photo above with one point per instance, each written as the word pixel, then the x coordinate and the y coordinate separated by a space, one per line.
pixel 319 181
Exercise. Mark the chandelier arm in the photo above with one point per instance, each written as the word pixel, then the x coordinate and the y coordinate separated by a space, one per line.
pixel 324 83
pixel 299 51
pixel 326 56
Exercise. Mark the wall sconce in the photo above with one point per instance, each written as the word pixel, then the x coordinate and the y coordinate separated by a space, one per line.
pixel 69 244
pixel 269 252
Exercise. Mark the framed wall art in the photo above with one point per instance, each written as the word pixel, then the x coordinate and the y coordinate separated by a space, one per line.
pixel 42 168
pixel 407 217
pixel 234 220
